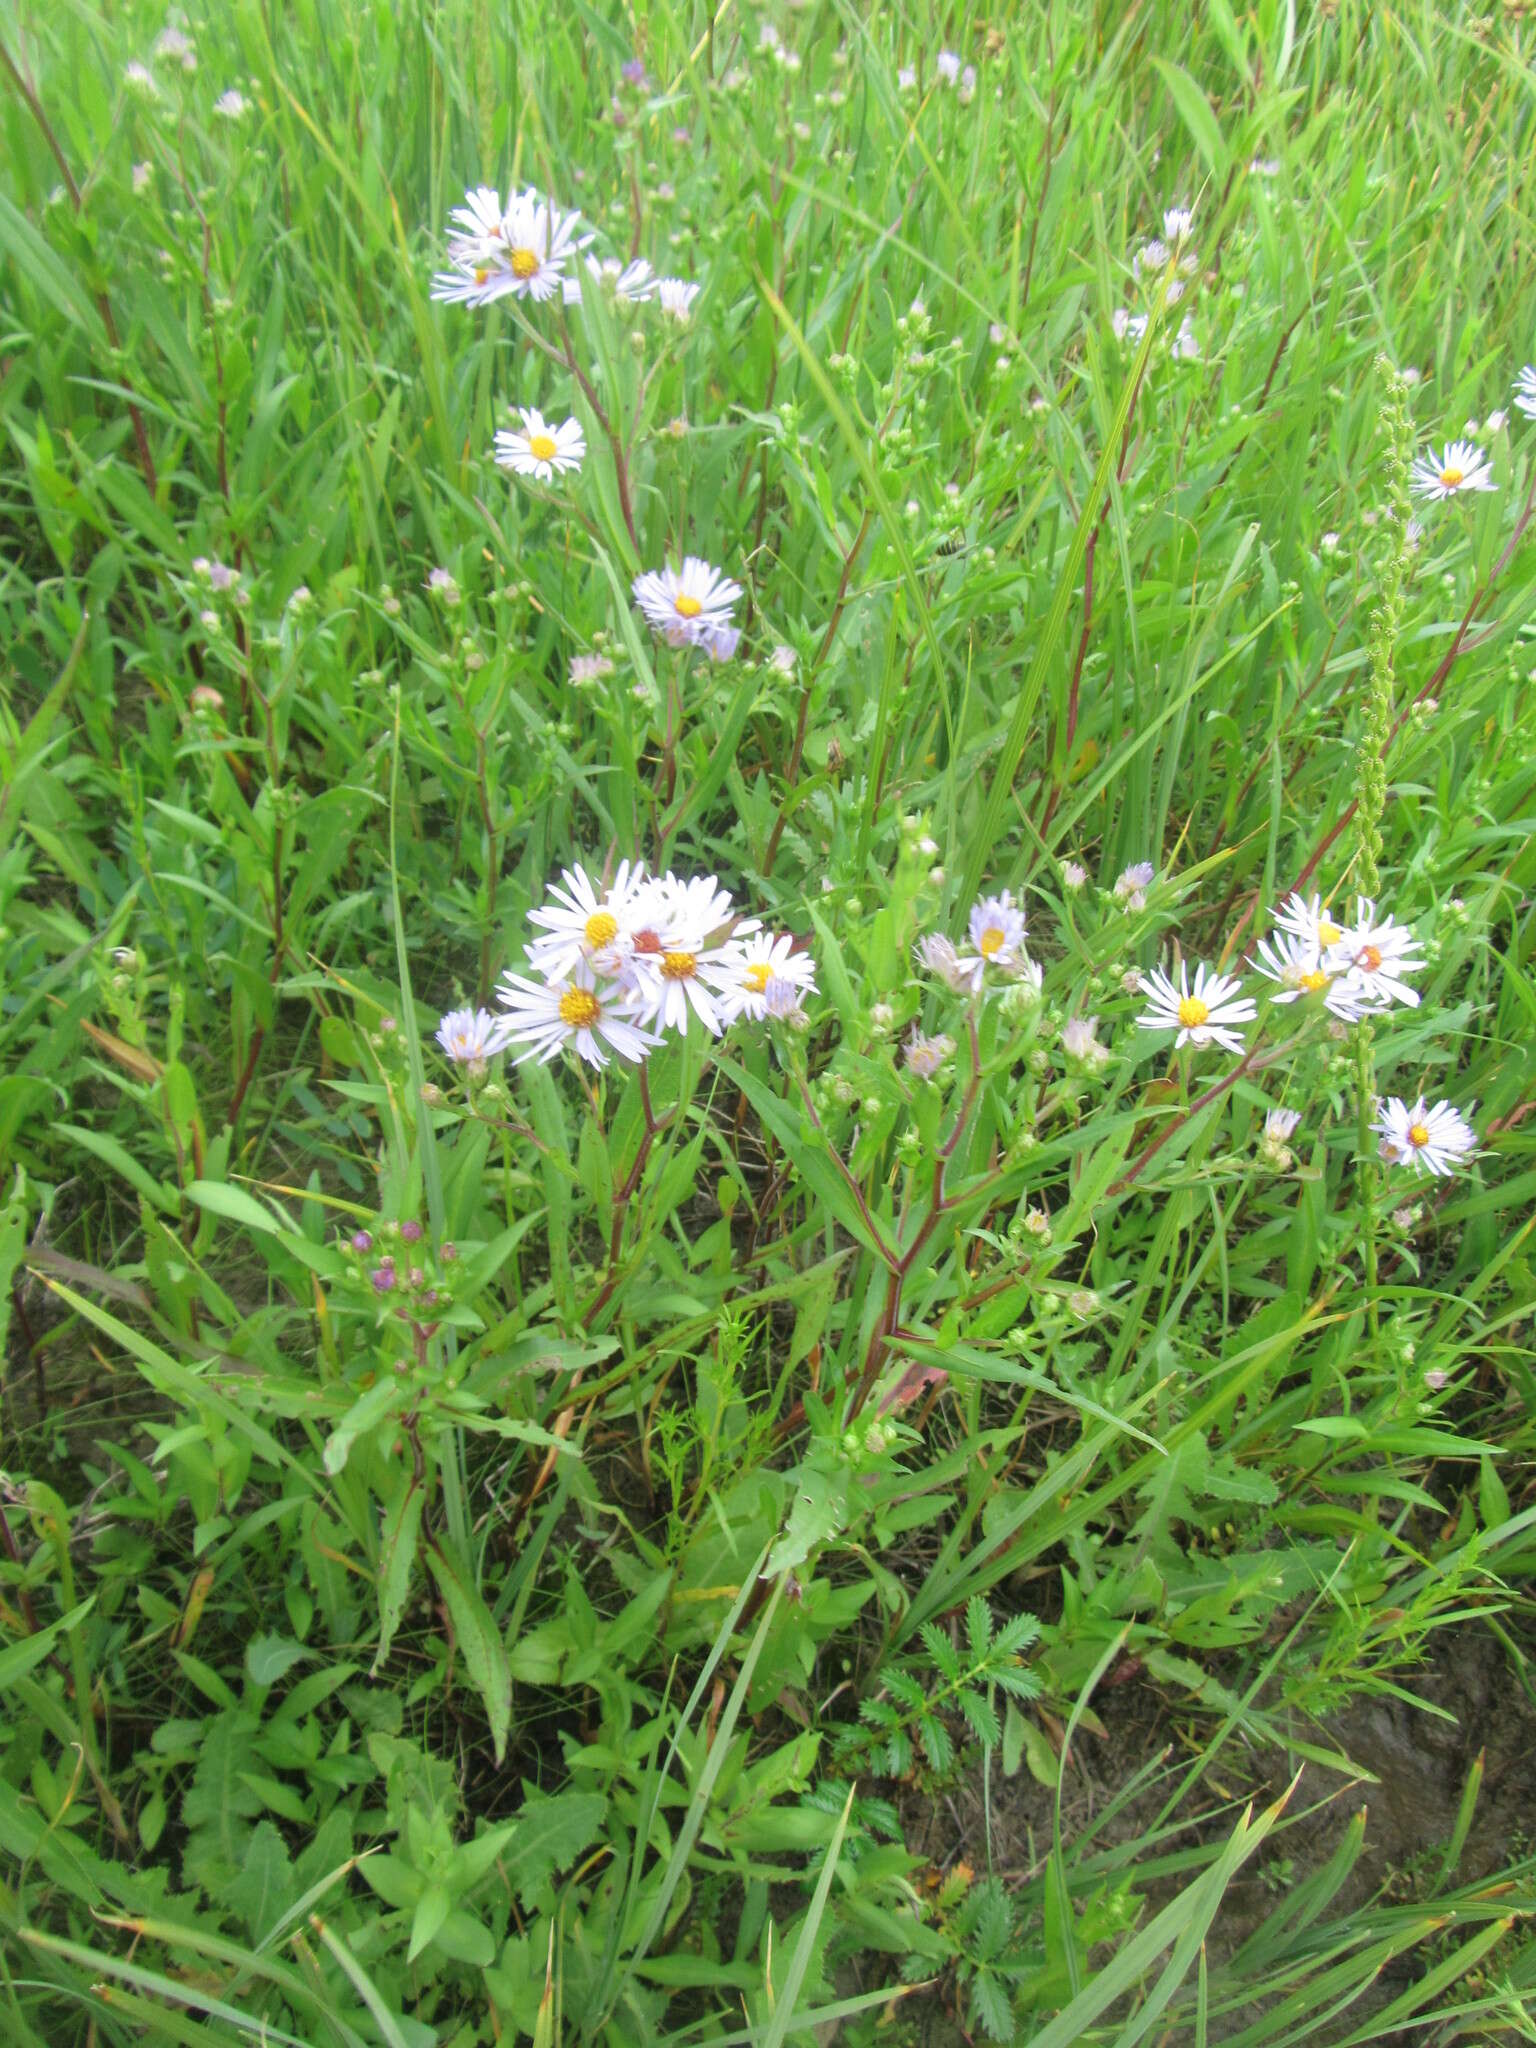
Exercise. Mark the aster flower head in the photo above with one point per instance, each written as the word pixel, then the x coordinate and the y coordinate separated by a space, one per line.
pixel 676 295
pixel 471 1037
pixel 1079 1041
pixel 540 448
pixel 1371 958
pixel 688 605
pixel 760 976
pixel 590 668
pixel 578 1011
pixel 948 66
pixel 937 955
pixel 520 251
pixel 1132 884
pixel 1309 918
pixel 1460 466
pixel 995 929
pixel 1073 874
pixel 176 48
pixel 629 282
pixel 1280 1124
pixel 1128 326
pixel 924 1056
pixel 1178 225
pixel 583 923
pixel 1525 391
pixel 1431 1140
pixel 232 105
pixel 1293 962
pixel 1206 1013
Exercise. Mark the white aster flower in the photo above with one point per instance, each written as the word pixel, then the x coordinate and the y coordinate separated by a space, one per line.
pixel 1073 874
pixel 545 1017
pixel 948 67
pixel 1295 963
pixel 142 173
pixel 782 661
pixel 1280 1124
pixel 1525 391
pixel 1079 1042
pixel 1371 958
pixel 1264 167
pixel 629 282
pixel 686 605
pixel 583 923
pixel 906 79
pixel 1178 225
pixel 1496 422
pixel 521 251
pixel 176 47
pixel 937 955
pixel 232 104
pixel 1132 884
pixel 1202 1015
pixel 1128 326
pixel 1461 466
pixel 924 1055
pixel 751 975
pixel 996 930
pixel 541 449
pixel 1434 1140
pixel 1185 347
pixel 140 77
pixel 676 296
pixel 1309 918
pixel 590 668
pixel 966 88
pixel 680 975
pixel 692 904
pixel 1151 255
pixel 471 1037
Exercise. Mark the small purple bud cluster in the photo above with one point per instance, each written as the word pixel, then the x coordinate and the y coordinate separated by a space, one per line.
pixel 413 1283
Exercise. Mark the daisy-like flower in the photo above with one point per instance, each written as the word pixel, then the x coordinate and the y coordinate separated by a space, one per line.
pixel 541 449
pixel 1132 884
pixel 583 924
pixel 471 1037
pixel 1073 874
pixel 232 104
pixel 1128 326
pixel 521 251
pixel 1525 391
pixel 948 67
pixel 1436 1140
pixel 575 1011
pixel 937 955
pixel 1460 466
pixel 906 78
pixel 1178 225
pixel 1371 958
pixel 590 668
pixel 176 48
pixel 1295 963
pixel 682 975
pixel 140 77
pixel 693 903
pixel 1202 1015
pixel 676 296
pixel 967 85
pixel 629 282
pixel 1079 1041
pixel 996 929
pixel 782 661
pixel 1280 1124
pixel 1311 919
pixel 745 973
pixel 923 1055
pixel 1151 255
pixel 686 606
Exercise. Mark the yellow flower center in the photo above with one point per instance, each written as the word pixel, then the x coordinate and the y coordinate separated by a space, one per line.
pixel 600 929
pixel 1451 477
pixel 580 1009
pixel 482 272
pixel 677 966
pixel 756 976
pixel 991 941
pixel 1328 933
pixel 1312 980
pixel 1368 957
pixel 688 607
pixel 1193 1011
pixel 525 262
pixel 1417 1135
pixel 542 447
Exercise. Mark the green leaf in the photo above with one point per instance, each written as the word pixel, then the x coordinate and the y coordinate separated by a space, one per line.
pixel 550 1832
pixel 235 1205
pixel 432 1909
pixel 478 1639
pixel 263 1886
pixel 382 1398
pixel 397 1557
pixel 1196 113
pixel 269 1658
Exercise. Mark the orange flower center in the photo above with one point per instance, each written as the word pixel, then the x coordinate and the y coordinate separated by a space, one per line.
pixel 1312 980
pixel 687 607
pixel 991 941
pixel 600 929
pixel 756 976
pixel 1451 477
pixel 647 942
pixel 1417 1134
pixel 1193 1011
pixel 542 447
pixel 525 263
pixel 678 966
pixel 1368 957
pixel 580 1009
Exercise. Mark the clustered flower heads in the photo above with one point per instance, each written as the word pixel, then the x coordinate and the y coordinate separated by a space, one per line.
pixel 614 966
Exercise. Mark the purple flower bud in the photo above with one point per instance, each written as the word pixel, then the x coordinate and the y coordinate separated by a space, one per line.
pixel 448 1254
pixel 416 1277
pixel 632 71
pixel 410 1230
pixel 383 1278
pixel 429 1299
pixel 362 1242
pixel 386 1025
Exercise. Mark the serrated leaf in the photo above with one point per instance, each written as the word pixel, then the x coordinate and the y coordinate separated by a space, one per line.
pixel 978 1627
pixel 549 1833
pixel 263 1888
pixel 990 2006
pixel 981 1718
pixel 935 1738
